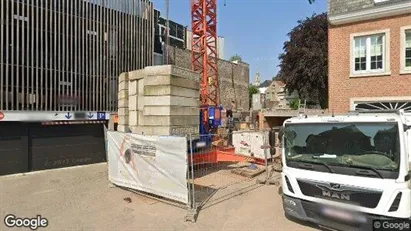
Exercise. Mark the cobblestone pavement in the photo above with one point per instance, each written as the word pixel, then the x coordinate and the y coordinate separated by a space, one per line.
pixel 80 199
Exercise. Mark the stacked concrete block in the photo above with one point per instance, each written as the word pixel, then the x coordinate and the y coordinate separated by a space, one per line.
pixel 123 111
pixel 136 96
pixel 164 100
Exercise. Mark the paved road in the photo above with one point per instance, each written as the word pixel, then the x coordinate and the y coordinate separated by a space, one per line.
pixel 79 199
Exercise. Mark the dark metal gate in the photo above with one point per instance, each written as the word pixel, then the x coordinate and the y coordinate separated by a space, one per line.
pixel 13 148
pixel 26 147
pixel 66 145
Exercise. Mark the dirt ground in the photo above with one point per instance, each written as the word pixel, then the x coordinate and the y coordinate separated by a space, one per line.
pixel 80 199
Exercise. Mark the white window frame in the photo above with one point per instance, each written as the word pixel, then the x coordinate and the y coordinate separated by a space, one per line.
pixel 404 70
pixel 357 100
pixel 386 70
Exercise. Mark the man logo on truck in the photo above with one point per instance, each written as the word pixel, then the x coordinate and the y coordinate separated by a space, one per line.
pixel 328 191
pixel 336 195
pixel 335 186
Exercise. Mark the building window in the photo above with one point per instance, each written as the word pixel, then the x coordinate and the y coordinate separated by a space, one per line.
pixel 370 53
pixel 406 50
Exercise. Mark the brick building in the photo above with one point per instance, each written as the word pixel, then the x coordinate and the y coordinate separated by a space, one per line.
pixel 369 54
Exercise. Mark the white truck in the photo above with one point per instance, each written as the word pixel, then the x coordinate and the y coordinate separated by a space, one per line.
pixel 348 172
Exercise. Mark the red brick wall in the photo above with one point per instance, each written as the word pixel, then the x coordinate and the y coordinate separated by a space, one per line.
pixel 342 87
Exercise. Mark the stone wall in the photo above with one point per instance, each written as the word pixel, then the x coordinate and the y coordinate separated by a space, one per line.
pixel 234 78
pixel 159 100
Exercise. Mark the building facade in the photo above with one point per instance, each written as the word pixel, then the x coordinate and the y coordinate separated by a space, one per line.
pixel 176 36
pixel 66 55
pixel 369 55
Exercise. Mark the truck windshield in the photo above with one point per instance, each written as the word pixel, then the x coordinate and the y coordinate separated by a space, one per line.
pixel 372 146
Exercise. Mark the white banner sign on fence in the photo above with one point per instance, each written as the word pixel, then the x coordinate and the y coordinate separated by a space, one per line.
pixel 153 164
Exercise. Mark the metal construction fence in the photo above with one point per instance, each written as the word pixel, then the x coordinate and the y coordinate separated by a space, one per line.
pixel 222 167
pixel 194 172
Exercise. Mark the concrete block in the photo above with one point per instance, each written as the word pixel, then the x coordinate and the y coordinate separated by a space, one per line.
pixel 123 85
pixel 133 87
pixel 133 118
pixel 123 112
pixel 133 103
pixel 171 100
pixel 167 70
pixel 141 118
pixel 123 128
pixel 140 102
pixel 123 94
pixel 137 74
pixel 181 131
pixel 170 120
pixel 171 90
pixel 152 130
pixel 123 103
pixel 165 130
pixel 123 120
pixel 172 80
pixel 170 111
pixel 140 88
pixel 184 120
pixel 123 77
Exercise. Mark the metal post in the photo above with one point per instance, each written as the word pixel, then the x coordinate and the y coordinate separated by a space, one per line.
pixel 192 173
pixel 193 210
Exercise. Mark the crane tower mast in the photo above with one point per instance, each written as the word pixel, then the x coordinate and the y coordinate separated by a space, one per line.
pixel 204 58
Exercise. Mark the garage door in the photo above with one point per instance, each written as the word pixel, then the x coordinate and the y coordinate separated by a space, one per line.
pixel 392 105
pixel 66 145
pixel 13 148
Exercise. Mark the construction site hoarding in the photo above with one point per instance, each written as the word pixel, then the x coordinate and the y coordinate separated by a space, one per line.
pixel 151 164
pixel 66 55
pixel 248 143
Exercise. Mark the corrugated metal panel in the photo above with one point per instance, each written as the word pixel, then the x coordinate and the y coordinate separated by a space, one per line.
pixel 66 55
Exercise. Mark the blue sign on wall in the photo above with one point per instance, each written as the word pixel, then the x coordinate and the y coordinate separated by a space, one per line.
pixel 101 115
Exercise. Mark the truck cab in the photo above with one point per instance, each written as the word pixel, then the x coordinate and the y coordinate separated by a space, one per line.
pixel 346 171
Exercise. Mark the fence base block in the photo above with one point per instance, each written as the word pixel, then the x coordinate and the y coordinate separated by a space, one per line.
pixel 191 215
pixel 111 185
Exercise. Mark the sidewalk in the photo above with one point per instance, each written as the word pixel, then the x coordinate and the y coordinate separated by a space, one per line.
pixel 79 199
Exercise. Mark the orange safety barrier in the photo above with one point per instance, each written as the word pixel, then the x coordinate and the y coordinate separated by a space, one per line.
pixel 223 155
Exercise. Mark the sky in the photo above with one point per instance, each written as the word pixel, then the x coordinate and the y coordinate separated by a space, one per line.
pixel 254 29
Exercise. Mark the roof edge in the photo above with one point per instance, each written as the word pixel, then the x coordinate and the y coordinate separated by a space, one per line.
pixel 373 13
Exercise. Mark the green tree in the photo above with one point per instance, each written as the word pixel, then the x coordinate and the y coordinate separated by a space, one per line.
pixel 304 63
pixel 236 57
pixel 295 104
pixel 251 91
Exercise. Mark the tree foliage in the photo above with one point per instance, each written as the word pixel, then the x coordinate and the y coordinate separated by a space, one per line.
pixel 236 57
pixel 295 104
pixel 304 63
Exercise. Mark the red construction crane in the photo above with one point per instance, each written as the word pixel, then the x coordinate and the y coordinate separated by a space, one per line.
pixel 204 58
